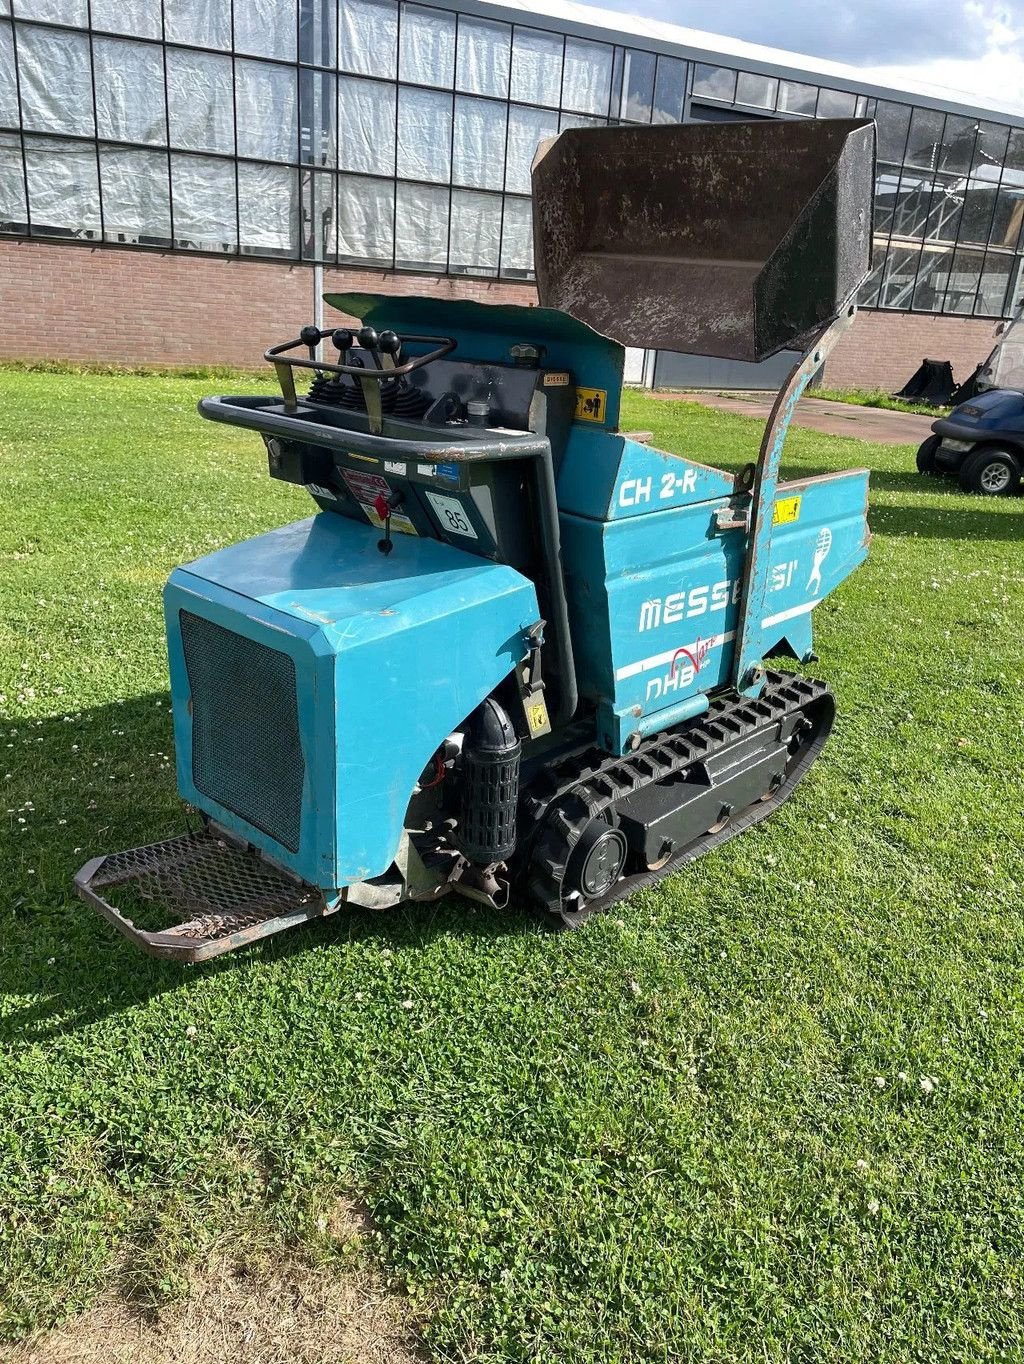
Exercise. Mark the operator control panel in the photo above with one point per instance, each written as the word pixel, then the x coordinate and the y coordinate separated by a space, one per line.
pixel 383 385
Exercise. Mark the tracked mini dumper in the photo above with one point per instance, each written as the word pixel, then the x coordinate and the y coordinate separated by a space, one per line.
pixel 517 653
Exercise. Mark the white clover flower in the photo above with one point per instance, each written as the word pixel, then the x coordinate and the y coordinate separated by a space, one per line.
pixel 407 1004
pixel 880 1081
pixel 873 1207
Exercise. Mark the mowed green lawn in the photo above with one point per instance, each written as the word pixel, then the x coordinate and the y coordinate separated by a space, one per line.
pixel 771 1110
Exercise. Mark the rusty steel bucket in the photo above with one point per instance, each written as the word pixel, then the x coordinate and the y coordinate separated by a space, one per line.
pixel 727 239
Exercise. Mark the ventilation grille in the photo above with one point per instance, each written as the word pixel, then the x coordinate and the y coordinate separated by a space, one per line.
pixel 246 754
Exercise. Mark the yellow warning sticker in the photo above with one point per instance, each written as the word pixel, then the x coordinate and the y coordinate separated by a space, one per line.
pixel 787 510
pixel 591 404
pixel 537 718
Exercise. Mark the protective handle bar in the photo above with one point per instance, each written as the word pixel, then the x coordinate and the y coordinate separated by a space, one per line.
pixel 349 440
pixel 444 346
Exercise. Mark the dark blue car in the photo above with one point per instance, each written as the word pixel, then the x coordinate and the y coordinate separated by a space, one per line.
pixel 982 440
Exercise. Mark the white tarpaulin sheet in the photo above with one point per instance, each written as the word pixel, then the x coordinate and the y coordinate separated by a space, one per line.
pixel 62 184
pixel 421 230
pixel 476 231
pixel 366 212
pixel 424 135
pixel 526 127
pixel 129 91
pixel 483 57
pixel 368 37
pixel 12 180
pixel 137 18
pixel 206 23
pixel 203 191
pixel 267 207
pixel 200 100
pixel 267 111
pixel 136 198
pixel 366 126
pixel 427 47
pixel 265 28
pixel 479 148
pixel 56 87
pixel 537 67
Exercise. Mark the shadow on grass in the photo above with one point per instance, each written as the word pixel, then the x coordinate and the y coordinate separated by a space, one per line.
pixel 96 783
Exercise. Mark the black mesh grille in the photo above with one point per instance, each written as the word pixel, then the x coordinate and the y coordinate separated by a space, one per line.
pixel 246 753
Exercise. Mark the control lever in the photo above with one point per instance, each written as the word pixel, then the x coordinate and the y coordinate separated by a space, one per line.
pixel 384 506
pixel 368 339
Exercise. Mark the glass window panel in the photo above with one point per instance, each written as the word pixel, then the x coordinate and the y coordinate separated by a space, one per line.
pixel 580 121
pixel 757 91
pixel 887 183
pixel 427 46
pixel 8 84
pixel 958 139
pixel 924 145
pixel 962 285
pixel 318 219
pixel 129 91
pixel 526 127
pixel 517 238
pixel 993 284
pixel 899 275
pixel 893 122
pixel 366 219
pixel 637 86
pixel 932 277
pixel 867 295
pixel 913 204
pixel 836 104
pixel 475 232
pixel 424 135
pixel 862 106
pixel 13 217
pixel 479 147
pixel 1008 217
pixel 587 77
pixel 318 100
pixel 485 52
pixel 203 190
pixel 56 85
pixel 945 210
pixel 421 227
pixel 366 127
pixel 979 206
pixel 63 186
pixel 200 100
pixel 266 28
pixel 990 149
pixel 714 82
pixel 669 90
pixel 74 13
pixel 797 98
pixel 268 209
pixel 206 23
pixel 537 67
pixel 318 33
pixel 1014 153
pixel 265 107
pixel 136 195
pixel 138 18
pixel 368 38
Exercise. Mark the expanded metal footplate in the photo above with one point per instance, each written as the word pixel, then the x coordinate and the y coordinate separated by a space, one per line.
pixel 221 895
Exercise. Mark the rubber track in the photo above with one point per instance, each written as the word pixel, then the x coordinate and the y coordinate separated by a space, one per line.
pixel 587 784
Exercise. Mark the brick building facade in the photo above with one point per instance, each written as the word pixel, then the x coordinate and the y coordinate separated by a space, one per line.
pixel 101 304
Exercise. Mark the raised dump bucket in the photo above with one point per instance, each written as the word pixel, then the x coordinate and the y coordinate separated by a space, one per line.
pixel 729 239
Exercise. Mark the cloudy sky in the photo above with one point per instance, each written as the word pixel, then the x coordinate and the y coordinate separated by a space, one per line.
pixel 972 47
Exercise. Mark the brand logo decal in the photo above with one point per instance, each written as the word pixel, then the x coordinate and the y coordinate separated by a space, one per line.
pixel 821 553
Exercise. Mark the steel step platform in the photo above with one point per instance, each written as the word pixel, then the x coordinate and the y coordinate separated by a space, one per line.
pixel 222 894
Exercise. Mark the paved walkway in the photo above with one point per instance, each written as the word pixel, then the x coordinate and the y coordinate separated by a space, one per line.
pixel 820 414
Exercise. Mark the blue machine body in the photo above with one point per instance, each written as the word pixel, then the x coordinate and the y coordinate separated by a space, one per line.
pixel 392 653
pixel 387 655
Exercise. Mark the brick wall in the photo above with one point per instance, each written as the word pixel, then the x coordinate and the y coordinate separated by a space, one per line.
pixel 82 303
pixel 77 302
pixel 882 349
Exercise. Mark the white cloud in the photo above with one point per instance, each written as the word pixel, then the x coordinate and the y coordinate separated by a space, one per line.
pixel 966 48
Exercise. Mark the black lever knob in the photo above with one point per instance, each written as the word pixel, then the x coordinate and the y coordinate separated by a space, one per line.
pixel 310 336
pixel 389 342
pixel 342 338
pixel 367 338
